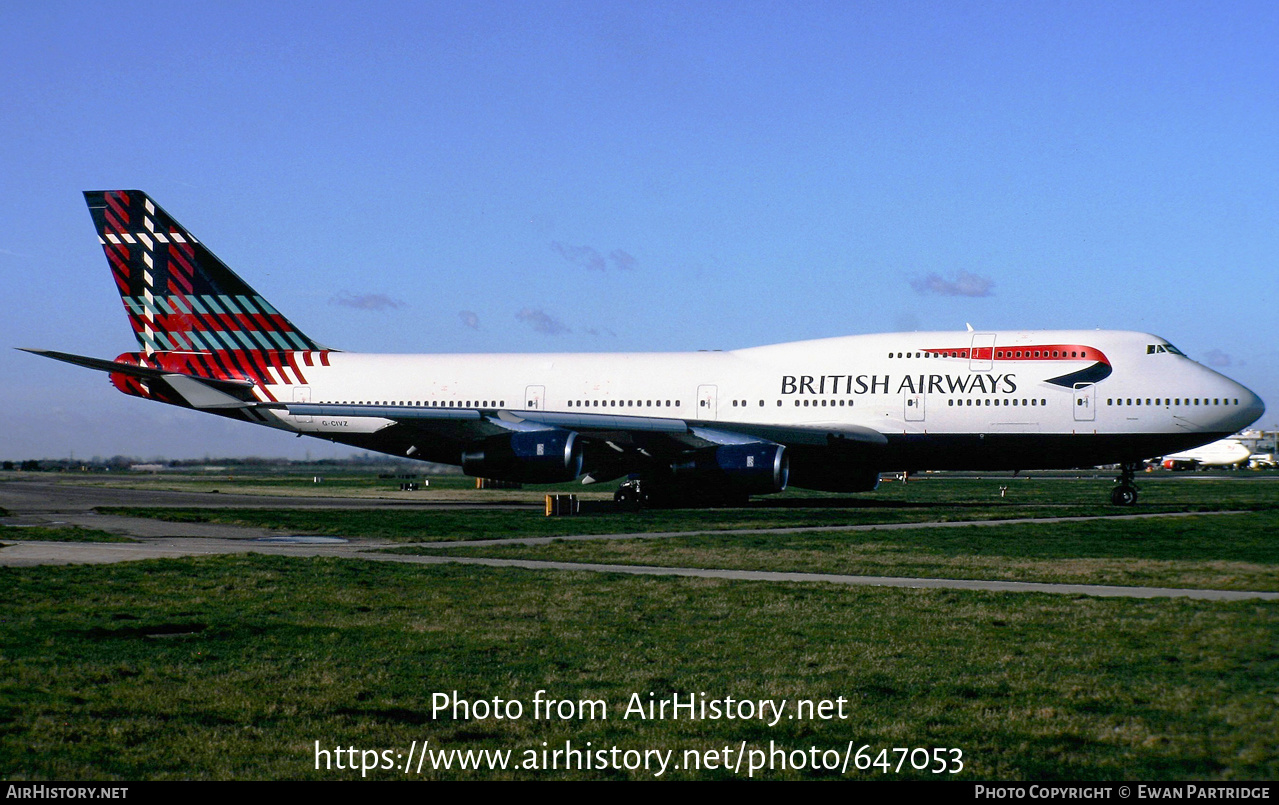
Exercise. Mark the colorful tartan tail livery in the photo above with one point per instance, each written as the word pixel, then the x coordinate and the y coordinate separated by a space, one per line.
pixel 179 296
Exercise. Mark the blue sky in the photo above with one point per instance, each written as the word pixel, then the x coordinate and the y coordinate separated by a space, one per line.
pixel 598 176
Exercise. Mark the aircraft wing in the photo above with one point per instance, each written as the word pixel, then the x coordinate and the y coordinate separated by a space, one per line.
pixel 693 433
pixel 601 446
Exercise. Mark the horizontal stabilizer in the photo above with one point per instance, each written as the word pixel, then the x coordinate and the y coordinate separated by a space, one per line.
pixel 133 370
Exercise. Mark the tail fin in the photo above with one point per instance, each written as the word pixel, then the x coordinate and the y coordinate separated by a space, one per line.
pixel 178 294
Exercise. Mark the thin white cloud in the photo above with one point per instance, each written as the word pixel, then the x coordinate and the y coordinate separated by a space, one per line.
pixel 368 301
pixel 542 321
pixel 469 319
pixel 583 256
pixel 964 284
pixel 622 260
pixel 590 257
pixel 1215 357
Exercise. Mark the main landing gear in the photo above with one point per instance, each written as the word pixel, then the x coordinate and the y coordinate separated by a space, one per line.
pixel 1125 494
pixel 630 496
pixel 637 494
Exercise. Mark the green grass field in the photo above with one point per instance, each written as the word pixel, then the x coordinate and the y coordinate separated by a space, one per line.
pixel 923 500
pixel 62 534
pixel 232 667
pixel 1217 551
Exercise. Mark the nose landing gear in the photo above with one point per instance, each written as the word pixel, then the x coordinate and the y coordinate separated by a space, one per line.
pixel 1125 494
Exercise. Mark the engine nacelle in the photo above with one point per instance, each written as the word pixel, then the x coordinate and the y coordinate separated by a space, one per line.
pixel 835 476
pixel 756 468
pixel 535 456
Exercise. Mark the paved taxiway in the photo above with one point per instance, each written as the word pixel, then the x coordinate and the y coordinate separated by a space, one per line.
pixel 42 503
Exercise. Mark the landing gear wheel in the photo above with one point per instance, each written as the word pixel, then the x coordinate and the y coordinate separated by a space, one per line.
pixel 629 497
pixel 1126 493
pixel 1123 495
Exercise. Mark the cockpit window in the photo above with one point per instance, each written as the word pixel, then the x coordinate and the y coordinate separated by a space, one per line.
pixel 1152 349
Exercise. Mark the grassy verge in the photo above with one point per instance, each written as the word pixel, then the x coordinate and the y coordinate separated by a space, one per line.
pixel 1218 551
pixel 63 534
pixel 927 500
pixel 232 667
pixel 444 488
pixel 479 524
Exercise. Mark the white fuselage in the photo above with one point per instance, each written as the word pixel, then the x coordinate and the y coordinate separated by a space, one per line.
pixel 920 384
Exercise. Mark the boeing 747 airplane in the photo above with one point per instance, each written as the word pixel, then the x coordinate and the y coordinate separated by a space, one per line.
pixel 830 414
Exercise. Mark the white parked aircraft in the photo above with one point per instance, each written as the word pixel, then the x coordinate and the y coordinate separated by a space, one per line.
pixel 1221 453
pixel 830 414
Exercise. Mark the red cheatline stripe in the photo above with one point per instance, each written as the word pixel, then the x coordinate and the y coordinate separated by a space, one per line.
pixel 324 357
pixel 306 356
pixel 1045 353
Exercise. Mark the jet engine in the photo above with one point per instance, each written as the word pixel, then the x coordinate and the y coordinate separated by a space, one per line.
pixel 534 456
pixel 817 472
pixel 754 468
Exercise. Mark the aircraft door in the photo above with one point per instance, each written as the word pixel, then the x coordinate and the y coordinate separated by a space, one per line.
pixel 982 356
pixel 914 405
pixel 535 398
pixel 302 394
pixel 706 402
pixel 1085 402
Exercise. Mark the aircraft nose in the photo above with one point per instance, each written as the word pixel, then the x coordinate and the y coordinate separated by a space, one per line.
pixel 1253 408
